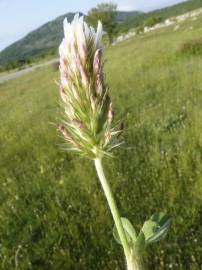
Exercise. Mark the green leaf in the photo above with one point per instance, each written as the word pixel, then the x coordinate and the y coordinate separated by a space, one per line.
pixel 129 231
pixel 163 224
pixel 140 243
pixel 149 229
pixel 156 228
pixel 153 230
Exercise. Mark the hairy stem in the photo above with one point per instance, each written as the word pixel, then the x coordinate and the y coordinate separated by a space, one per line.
pixel 112 206
pixel 135 262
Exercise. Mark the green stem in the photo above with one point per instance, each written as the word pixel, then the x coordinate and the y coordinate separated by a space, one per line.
pixel 113 207
pixel 135 262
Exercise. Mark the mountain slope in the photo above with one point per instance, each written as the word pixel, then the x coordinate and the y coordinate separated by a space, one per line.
pixel 35 43
pixel 122 16
pixel 45 38
pixel 163 13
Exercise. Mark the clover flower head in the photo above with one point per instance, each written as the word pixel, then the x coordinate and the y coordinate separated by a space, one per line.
pixel 87 122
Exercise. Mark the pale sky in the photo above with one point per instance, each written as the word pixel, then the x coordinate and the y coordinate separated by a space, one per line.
pixel 19 17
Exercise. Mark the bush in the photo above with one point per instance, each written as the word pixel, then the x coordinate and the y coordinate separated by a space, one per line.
pixel 139 29
pixel 149 23
pixel 152 21
pixel 193 47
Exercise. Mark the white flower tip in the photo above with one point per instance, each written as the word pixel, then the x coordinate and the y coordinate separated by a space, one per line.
pixel 99 27
pixel 99 34
pixel 65 23
pixel 76 17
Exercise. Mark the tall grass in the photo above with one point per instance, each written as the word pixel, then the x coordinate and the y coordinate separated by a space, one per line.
pixel 52 212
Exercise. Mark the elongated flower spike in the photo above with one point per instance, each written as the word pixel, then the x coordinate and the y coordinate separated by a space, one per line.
pixel 87 128
pixel 84 95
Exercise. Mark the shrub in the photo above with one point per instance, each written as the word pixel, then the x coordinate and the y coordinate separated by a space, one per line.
pixel 152 21
pixel 192 47
pixel 139 29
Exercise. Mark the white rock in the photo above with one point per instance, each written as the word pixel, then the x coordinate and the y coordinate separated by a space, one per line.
pixel 166 23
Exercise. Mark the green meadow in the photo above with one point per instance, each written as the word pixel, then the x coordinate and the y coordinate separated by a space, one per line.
pixel 53 214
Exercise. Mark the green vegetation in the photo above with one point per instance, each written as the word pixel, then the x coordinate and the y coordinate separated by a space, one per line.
pixel 122 16
pixel 32 58
pixel 163 13
pixel 106 13
pixel 52 212
pixel 151 21
pixel 191 47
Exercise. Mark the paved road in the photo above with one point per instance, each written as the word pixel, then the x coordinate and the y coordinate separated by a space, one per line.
pixel 15 74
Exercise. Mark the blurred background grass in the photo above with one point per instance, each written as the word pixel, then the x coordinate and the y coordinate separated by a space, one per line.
pixel 53 214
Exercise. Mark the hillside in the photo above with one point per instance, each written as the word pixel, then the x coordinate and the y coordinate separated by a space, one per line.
pixel 163 13
pixel 122 16
pixel 45 39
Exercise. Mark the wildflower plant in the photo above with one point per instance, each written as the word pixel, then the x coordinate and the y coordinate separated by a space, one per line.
pixel 87 127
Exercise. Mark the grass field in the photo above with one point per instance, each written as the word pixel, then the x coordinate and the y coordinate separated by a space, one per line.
pixel 53 214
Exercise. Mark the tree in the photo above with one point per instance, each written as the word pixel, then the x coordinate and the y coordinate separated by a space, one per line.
pixel 106 13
